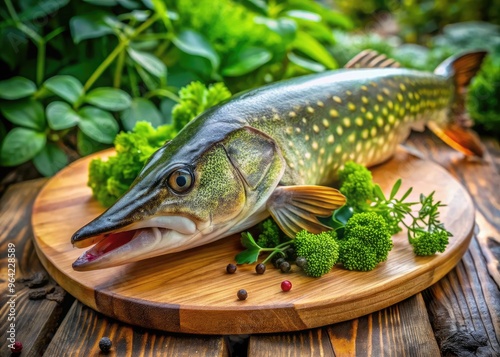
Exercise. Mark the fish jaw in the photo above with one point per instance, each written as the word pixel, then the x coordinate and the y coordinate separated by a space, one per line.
pixel 141 240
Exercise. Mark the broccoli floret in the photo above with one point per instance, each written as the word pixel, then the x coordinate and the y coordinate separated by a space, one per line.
pixel 111 178
pixel 367 242
pixel 429 243
pixel 356 185
pixel 270 234
pixel 321 251
pixel 195 98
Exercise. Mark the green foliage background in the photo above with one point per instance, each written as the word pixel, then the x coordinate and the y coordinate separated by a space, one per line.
pixel 79 71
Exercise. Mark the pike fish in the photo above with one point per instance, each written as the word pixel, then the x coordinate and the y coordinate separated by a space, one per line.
pixel 275 151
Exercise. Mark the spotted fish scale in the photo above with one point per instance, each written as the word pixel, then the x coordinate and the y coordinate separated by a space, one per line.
pixel 321 121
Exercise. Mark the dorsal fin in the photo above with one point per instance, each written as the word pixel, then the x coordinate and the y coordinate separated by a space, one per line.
pixel 371 59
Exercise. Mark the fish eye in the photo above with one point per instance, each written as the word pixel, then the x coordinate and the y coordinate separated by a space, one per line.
pixel 180 180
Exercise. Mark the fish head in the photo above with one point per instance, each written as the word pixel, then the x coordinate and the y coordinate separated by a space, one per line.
pixel 185 196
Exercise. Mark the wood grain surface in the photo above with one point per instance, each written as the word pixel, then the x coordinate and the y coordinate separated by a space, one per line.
pixel 35 320
pixel 82 329
pixel 190 292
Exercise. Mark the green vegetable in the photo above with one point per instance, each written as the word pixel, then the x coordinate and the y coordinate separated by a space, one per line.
pixel 111 178
pixel 356 185
pixel 426 233
pixel 195 98
pixel 270 234
pixel 483 97
pixel 427 243
pixel 366 243
pixel 227 25
pixel 321 251
pixel 363 195
pixel 253 250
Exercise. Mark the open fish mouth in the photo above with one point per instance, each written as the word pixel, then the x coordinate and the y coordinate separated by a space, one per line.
pixel 120 243
pixel 134 242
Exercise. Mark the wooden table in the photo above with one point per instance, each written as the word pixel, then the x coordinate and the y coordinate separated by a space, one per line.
pixel 458 316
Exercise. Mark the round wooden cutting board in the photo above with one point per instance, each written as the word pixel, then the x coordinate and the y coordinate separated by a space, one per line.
pixel 191 292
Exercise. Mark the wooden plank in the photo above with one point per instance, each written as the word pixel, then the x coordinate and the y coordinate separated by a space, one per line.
pixel 164 292
pixel 82 328
pixel 35 320
pixel 400 330
pixel 465 305
pixel 306 343
pixel 465 309
pixel 459 315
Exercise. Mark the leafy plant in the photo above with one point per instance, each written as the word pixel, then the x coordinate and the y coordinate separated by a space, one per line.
pixel 109 179
pixel 102 66
pixel 426 233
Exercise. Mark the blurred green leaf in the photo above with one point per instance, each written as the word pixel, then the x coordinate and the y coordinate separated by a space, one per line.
pixel 195 44
pixel 3 132
pixel 161 9
pixel 166 106
pixel 332 17
pixel 102 2
pixel 108 98
pixel 129 4
pixel 21 145
pixel 140 110
pixel 304 15
pixel 98 124
pixel 66 87
pixel 50 160
pixel 245 61
pixel 41 9
pixel 26 112
pixel 148 4
pixel 16 88
pixel 14 46
pixel 88 26
pixel 149 80
pixel 286 28
pixel 308 45
pixel 306 63
pixel 61 116
pixel 149 62
pixel 258 6
pixel 86 146
pixel 319 30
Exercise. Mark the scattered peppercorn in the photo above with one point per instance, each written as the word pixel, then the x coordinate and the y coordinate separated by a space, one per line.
pixel 231 268
pixel 242 294
pixel 300 261
pixel 286 285
pixel 285 267
pixel 291 254
pixel 105 344
pixel 260 268
pixel 278 262
pixel 17 347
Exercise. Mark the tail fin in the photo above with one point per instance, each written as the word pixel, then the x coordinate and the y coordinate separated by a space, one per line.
pixel 461 69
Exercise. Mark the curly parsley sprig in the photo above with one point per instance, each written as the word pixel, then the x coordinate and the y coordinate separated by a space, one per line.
pixel 426 233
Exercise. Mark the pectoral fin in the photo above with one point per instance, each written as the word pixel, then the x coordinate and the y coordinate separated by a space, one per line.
pixel 295 208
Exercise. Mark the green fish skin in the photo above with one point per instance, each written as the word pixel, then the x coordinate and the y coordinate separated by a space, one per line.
pixel 275 151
